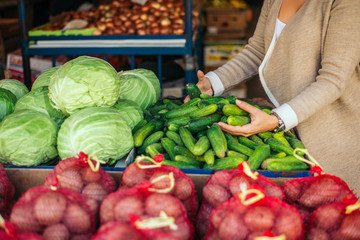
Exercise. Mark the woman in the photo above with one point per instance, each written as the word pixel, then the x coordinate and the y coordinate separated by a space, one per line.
pixel 307 54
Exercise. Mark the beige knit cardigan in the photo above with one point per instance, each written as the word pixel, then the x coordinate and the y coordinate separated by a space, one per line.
pixel 314 68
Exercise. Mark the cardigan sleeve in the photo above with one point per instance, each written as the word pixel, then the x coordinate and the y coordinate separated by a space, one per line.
pixel 246 64
pixel 341 56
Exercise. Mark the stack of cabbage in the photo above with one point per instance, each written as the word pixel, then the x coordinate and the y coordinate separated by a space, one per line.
pixel 83 105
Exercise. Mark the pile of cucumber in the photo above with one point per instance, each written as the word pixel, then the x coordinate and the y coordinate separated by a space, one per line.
pixel 187 136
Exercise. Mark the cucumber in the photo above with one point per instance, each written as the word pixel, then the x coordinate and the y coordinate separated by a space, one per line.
pixel 289 134
pixel 229 137
pixel 224 101
pixel 259 155
pixel 231 99
pixel 205 111
pixel 185 159
pixel 201 146
pixel 203 103
pixel 180 112
pixel 201 123
pixel 205 96
pixel 267 111
pixel 171 105
pixel 278 146
pixel 296 143
pixel 143 132
pixel 153 138
pixel 181 121
pixel 289 163
pixel 154 110
pixel 280 136
pixel 147 115
pixel 175 101
pixel 265 135
pixel 187 138
pixel 237 120
pixel 233 110
pixel 215 99
pixel 192 90
pixel 192 102
pixel 278 155
pixel 139 125
pixel 225 163
pixel 175 137
pixel 181 165
pixel 159 124
pixel 173 127
pixel 154 149
pixel 217 140
pixel 232 153
pixel 255 138
pixel 224 119
pixel 247 142
pixel 179 150
pixel 209 157
pixel 201 133
pixel 169 146
pixel 233 145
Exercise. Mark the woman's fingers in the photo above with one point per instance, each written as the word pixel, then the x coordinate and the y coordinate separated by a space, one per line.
pixel 187 99
pixel 247 107
pixel 244 130
pixel 200 75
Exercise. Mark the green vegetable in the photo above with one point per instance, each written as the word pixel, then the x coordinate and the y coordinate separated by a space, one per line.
pixel 38 100
pixel 155 109
pixel 187 138
pixel 247 142
pixel 84 82
pixel 296 143
pixel 175 137
pixel 141 86
pixel 233 145
pixel 96 131
pixel 257 139
pixel 153 138
pixel 232 153
pixel 179 150
pixel 224 119
pixel 201 123
pixel 192 102
pixel 130 111
pixel 237 120
pixel 225 163
pixel 265 135
pixel 15 87
pixel 27 138
pixel 180 112
pixel 209 157
pixel 201 146
pixel 231 99
pixel 280 136
pixel 278 146
pixel 169 146
pixel 234 110
pixel 181 165
pixel 201 133
pixel 43 80
pixel 7 103
pixel 289 163
pixel 154 149
pixel 217 140
pixel 173 127
pixel 215 99
pixel 205 111
pixel 203 103
pixel 143 132
pixel 259 155
pixel 180 121
pixel 205 96
pixel 186 159
pixel 139 125
pixel 192 90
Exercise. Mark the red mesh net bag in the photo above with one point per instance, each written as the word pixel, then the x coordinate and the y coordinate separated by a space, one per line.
pixel 7 192
pixel 83 174
pixel 307 194
pixel 252 215
pixel 224 184
pixel 145 202
pixel 337 221
pixel 140 171
pixel 9 231
pixel 55 213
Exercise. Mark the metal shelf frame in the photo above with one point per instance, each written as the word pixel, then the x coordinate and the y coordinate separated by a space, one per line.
pixel 188 50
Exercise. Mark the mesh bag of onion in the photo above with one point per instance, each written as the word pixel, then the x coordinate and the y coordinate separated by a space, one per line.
pixel 9 231
pixel 7 192
pixel 223 185
pixel 83 174
pixel 55 213
pixel 145 201
pixel 307 194
pixel 141 170
pixel 335 221
pixel 251 214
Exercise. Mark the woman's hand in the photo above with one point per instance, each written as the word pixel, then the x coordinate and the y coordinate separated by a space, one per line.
pixel 204 85
pixel 260 121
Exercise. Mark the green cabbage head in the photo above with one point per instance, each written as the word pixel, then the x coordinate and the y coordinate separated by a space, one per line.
pixel 15 86
pixel 98 131
pixel 84 82
pixel 7 103
pixel 38 100
pixel 44 78
pixel 141 86
pixel 130 111
pixel 27 138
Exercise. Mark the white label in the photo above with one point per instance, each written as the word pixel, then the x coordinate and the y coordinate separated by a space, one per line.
pixel 141 2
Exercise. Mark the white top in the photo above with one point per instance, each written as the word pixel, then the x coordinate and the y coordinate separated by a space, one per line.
pixel 285 112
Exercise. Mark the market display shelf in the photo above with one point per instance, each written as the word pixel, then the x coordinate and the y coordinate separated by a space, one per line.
pixel 128 45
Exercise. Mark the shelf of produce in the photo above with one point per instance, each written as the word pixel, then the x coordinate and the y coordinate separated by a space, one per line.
pixel 129 45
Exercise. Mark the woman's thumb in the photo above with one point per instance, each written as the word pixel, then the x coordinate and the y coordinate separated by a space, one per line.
pixel 200 75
